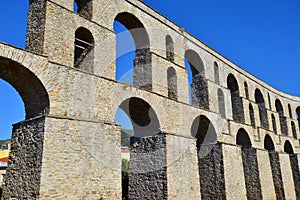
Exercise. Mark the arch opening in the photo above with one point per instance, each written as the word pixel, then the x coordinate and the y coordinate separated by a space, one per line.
pixel 290 111
pixel 274 124
pixel 169 48
pixel 243 139
pixel 246 90
pixel 294 130
pixel 221 102
pixel 172 83
pixel 84 8
pixel 216 73
pixel 198 85
pixel 252 116
pixel 259 99
pixel 142 72
pixel 137 120
pixel 288 148
pixel 236 100
pixel 268 143
pixel 282 118
pixel 84 50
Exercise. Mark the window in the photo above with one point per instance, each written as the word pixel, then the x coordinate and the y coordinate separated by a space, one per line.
pixel 169 48
pixel 84 50
pixel 172 83
pixel 259 99
pixel 246 90
pixel 221 103
pixel 216 70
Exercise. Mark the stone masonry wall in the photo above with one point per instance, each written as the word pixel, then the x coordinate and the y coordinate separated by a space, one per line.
pixel 25 160
pixel 296 173
pixel 277 176
pixel 211 172
pixel 147 168
pixel 251 174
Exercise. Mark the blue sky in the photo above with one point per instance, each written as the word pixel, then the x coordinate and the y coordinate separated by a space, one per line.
pixel 261 36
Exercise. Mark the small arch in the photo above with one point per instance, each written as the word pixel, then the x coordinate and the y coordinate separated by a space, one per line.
pixel 242 139
pixel 142 70
pixel 246 90
pixel 216 73
pixel 203 130
pixel 294 130
pixel 172 83
pixel 268 143
pixel 259 99
pixel 269 99
pixel 221 102
pixel 236 100
pixel 169 48
pixel 84 50
pixel 84 8
pixel 196 73
pixel 142 116
pixel 288 148
pixel 290 111
pixel 252 116
pixel 298 115
pixel 274 123
pixel 282 118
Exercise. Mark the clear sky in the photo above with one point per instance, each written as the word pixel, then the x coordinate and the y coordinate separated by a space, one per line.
pixel 261 36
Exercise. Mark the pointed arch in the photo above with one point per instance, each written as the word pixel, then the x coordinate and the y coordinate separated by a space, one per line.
pixel 169 48
pixel 84 50
pixel 290 111
pixel 236 100
pixel 282 118
pixel 259 99
pixel 199 87
pixel 172 83
pixel 142 70
pixel 221 102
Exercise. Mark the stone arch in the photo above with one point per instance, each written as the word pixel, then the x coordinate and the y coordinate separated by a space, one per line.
pixel 203 130
pixel 84 50
pixel 199 87
pixel 274 123
pixel 169 48
pixel 269 100
pixel 142 116
pixel 294 130
pixel 30 88
pixel 288 148
pixel 252 116
pixel 142 74
pixel 236 100
pixel 290 111
pixel 84 8
pixel 172 83
pixel 246 90
pixel 282 118
pixel 298 115
pixel 259 99
pixel 243 139
pixel 221 103
pixel 268 143
pixel 216 73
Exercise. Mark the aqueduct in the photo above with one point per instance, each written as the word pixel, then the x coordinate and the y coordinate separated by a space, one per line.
pixel 187 146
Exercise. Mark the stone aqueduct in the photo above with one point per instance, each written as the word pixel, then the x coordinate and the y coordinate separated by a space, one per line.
pixel 69 145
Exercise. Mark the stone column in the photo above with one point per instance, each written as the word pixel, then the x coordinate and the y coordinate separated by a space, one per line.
pixel 287 176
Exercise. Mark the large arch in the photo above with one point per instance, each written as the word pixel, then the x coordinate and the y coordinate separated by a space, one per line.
pixel 30 88
pixel 142 73
pixel 236 100
pixel 199 87
pixel 288 148
pixel 259 99
pixel 143 118
pixel 27 136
